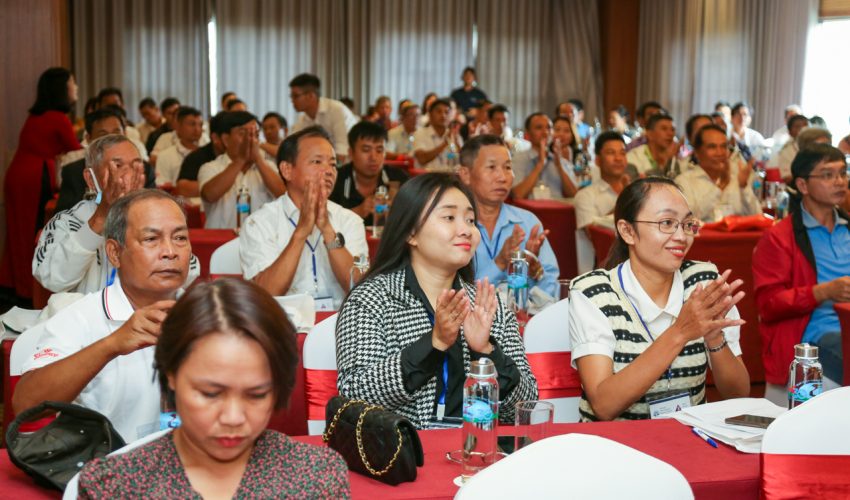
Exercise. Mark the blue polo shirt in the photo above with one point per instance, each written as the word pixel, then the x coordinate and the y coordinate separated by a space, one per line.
pixel 832 259
pixel 491 245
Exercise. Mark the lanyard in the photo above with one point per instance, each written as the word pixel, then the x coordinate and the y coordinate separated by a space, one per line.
pixel 441 402
pixel 669 373
pixel 111 278
pixel 491 252
pixel 312 248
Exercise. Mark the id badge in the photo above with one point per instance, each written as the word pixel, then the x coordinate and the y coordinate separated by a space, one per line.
pixel 324 303
pixel 168 420
pixel 668 402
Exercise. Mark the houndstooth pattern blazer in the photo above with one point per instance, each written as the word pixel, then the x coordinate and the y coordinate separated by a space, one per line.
pixel 379 319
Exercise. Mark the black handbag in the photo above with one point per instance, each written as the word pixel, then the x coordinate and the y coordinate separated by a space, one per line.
pixel 374 442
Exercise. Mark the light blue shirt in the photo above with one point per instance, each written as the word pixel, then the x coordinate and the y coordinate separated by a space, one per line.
pixel 832 259
pixel 523 163
pixel 491 245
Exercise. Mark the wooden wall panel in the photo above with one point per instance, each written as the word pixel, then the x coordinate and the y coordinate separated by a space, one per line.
pixel 618 30
pixel 830 9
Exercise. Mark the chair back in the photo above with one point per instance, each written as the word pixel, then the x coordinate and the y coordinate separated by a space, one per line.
pixel 225 259
pixel 577 466
pixel 806 451
pixel 320 372
pixel 547 346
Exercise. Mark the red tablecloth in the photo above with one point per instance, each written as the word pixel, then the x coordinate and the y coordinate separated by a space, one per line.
pixel 727 251
pixel 560 219
pixel 843 310
pixel 712 473
pixel 205 241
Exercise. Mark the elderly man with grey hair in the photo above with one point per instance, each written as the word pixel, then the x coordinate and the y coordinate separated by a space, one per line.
pixel 98 352
pixel 71 251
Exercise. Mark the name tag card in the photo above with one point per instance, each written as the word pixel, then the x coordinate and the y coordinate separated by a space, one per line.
pixel 324 303
pixel 668 402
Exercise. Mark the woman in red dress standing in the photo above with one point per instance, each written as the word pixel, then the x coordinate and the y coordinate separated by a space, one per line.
pixel 30 180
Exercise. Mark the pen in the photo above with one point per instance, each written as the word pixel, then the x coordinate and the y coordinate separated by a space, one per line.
pixel 705 437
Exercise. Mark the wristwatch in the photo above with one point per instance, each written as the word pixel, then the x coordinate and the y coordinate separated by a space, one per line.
pixel 338 242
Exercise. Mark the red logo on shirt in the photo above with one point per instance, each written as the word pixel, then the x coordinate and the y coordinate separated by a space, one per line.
pixel 45 353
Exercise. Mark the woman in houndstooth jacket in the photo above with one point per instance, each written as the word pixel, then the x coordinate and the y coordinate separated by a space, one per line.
pixel 407 333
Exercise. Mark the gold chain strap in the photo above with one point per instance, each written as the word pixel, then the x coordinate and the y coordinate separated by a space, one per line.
pixel 326 436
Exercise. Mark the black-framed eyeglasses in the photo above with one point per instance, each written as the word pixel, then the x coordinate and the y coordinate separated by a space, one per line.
pixel 829 175
pixel 670 226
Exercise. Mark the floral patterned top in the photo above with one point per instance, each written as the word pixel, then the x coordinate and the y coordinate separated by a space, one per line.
pixel 278 468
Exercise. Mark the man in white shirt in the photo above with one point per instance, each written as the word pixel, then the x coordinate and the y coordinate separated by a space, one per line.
pixel 275 130
pixel 98 352
pixel 151 119
pixel 301 242
pixel 598 199
pixel 71 253
pixel 313 109
pixel 782 135
pixel 188 132
pixel 741 131
pixel 714 189
pixel 785 154
pixel 537 165
pixel 400 138
pixel 242 164
pixel 436 147
pixel 656 157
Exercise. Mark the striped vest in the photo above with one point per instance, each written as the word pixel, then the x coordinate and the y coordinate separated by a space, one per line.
pixel 688 369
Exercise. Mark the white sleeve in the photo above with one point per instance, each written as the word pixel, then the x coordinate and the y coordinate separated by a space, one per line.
pixel 354 232
pixel 342 124
pixel 58 340
pixel 66 249
pixel 207 171
pixel 258 247
pixel 585 210
pixel 299 124
pixel 733 333
pixel 590 331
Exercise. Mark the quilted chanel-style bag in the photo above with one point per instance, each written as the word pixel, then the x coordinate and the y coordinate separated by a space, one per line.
pixel 374 442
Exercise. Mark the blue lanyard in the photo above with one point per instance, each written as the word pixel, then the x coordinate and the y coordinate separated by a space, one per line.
pixel 442 399
pixel 111 279
pixel 312 248
pixel 493 251
pixel 669 373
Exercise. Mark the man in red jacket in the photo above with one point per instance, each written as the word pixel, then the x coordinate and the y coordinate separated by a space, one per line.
pixel 801 267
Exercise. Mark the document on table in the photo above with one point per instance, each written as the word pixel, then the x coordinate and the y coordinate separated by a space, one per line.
pixel 711 419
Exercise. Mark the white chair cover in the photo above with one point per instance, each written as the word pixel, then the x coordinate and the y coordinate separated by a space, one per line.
pixel 225 259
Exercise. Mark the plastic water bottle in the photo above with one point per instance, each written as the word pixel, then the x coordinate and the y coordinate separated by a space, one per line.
pixel 409 145
pixel 243 205
pixel 782 202
pixel 582 167
pixel 358 270
pixel 480 417
pixel 379 214
pixel 805 377
pixel 452 156
pixel 518 286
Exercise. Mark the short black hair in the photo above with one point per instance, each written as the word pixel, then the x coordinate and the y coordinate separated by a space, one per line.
pixel 217 123
pixel 108 91
pixel 793 119
pixel 233 102
pixel 471 70
pixel 233 119
pixel 608 136
pixel 698 140
pixel 277 116
pixel 407 108
pixel 168 102
pixel 641 111
pixel 531 117
pixel 654 119
pixel 689 125
pixel 185 111
pixel 349 102
pixel 577 103
pixel 147 102
pixel 440 101
pixel 722 103
pixel 738 105
pixel 288 150
pixel 224 96
pixel 497 108
pixel 308 81
pixel 366 130
pixel 469 151
pixel 809 158
pixel 102 114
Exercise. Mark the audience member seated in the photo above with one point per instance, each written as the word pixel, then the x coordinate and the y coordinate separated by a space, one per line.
pixel 407 333
pixel 98 352
pixel 275 130
pixel 302 242
pixel 673 318
pixel 112 96
pixel 187 180
pixel 783 133
pixel 242 165
pixel 574 110
pixel 400 138
pixel 658 155
pixel 225 98
pixel 104 121
pixel 713 188
pixel 333 116
pixel 384 111
pixel 741 131
pixel 785 154
pixel 152 118
pixel 71 255
pixel 225 360
pixel 486 171
pixel 188 133
pixel 469 95
pixel 644 112
pixel 479 123
pixel 169 107
pixel 725 111
pixel 618 121
pixel 497 125
pixel 357 181
pixel 437 145
pixel 566 146
pixel 692 126
pixel 800 267
pixel 537 165
pixel 236 104
pixel 598 199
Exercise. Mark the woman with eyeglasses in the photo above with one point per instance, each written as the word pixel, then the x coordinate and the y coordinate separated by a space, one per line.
pixel 646 329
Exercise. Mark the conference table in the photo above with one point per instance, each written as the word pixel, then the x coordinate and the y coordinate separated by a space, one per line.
pixel 727 250
pixel 721 472
pixel 559 217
